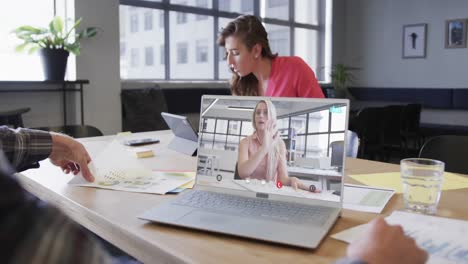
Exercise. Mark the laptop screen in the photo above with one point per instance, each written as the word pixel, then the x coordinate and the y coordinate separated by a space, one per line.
pixel 284 146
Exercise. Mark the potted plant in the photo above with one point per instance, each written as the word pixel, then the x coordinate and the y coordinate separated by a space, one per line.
pixel 342 76
pixel 54 44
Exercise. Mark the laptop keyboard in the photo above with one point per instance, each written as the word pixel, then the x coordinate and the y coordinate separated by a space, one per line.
pixel 256 208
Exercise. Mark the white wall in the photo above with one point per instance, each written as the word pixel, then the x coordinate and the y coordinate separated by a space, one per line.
pixel 373 41
pixel 99 62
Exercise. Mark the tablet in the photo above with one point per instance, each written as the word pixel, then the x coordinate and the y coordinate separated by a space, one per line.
pixel 186 139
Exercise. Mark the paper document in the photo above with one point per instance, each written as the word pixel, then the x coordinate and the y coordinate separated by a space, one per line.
pixel 365 198
pixel 392 180
pixel 117 168
pixel 444 239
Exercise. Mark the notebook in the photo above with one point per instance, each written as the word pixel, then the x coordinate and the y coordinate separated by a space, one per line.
pixel 260 206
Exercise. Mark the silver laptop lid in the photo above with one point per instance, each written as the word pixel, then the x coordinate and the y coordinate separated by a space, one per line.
pixel 310 149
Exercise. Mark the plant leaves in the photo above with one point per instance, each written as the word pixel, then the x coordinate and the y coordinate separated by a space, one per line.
pixel 21 47
pixel 89 32
pixel 58 25
pixel 78 21
pixel 53 37
pixel 56 28
pixel 30 29
pixel 33 49
pixel 73 48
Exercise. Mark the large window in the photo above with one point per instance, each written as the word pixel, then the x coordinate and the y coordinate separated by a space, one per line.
pixel 297 28
pixel 134 23
pixel 148 20
pixel 202 51
pixel 182 53
pixel 141 41
pixel 309 134
pixel 149 56
pixel 13 14
pixel 224 134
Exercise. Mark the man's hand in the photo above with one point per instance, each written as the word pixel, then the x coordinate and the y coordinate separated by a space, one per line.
pixel 384 243
pixel 70 155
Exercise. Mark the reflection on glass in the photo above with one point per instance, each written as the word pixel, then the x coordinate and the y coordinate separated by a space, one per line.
pixel 232 143
pixel 207 140
pixel 221 126
pixel 197 3
pixel 317 145
pixel 192 57
pixel 140 43
pixel 224 71
pixel 208 125
pixel 338 118
pixel 219 142
pixel 237 6
pixel 275 9
pixel 307 11
pixel 247 128
pixel 298 123
pixel 318 121
pixel 279 37
pixel 306 46
pixel 300 146
pixel 336 137
pixel 234 127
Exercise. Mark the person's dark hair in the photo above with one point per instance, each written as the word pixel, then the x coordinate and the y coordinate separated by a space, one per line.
pixel 250 31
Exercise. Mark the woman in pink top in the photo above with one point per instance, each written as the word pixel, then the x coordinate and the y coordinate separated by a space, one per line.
pixel 263 155
pixel 256 70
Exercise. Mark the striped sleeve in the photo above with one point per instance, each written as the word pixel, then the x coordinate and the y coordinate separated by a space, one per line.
pixel 25 147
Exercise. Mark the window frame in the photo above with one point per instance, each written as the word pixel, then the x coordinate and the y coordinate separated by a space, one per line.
pixel 240 135
pixel 166 6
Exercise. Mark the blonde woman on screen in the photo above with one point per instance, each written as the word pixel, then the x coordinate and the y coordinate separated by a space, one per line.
pixel 262 155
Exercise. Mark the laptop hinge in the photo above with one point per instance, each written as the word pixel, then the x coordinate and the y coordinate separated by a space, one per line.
pixel 262 195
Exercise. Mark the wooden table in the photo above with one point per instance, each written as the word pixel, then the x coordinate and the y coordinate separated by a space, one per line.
pixel 112 215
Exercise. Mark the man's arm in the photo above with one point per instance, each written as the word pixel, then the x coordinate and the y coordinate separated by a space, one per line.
pixel 25 147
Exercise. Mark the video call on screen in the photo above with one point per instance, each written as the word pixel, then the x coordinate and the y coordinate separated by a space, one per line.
pixel 313 132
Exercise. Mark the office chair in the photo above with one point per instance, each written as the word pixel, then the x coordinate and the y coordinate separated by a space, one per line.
pixel 13 118
pixel 352 145
pixel 236 174
pixel 450 149
pixel 410 132
pixel 141 110
pixel 391 131
pixel 369 127
pixel 337 148
pixel 75 131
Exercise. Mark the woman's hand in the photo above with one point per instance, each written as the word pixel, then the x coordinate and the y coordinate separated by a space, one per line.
pixel 298 184
pixel 271 133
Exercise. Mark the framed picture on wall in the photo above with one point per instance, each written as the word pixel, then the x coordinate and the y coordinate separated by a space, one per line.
pixel 414 41
pixel 455 33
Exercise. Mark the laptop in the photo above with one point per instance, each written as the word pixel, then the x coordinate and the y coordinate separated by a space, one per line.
pixel 224 202
pixel 186 139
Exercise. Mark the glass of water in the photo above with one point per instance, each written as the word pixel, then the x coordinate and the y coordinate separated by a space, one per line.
pixel 422 182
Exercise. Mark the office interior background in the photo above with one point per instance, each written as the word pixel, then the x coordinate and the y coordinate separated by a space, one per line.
pixel 172 43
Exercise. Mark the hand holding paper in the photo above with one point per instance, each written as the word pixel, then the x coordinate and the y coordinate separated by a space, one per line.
pixel 383 243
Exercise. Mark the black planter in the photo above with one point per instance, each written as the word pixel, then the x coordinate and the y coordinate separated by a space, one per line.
pixel 54 62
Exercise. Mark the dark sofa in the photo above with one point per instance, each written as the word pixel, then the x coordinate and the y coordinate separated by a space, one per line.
pixel 143 102
pixel 444 110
